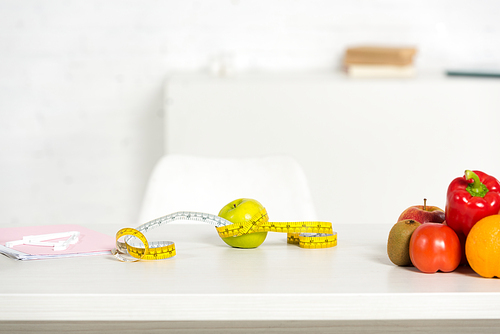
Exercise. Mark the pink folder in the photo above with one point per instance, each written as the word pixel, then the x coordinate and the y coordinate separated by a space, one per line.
pixel 90 242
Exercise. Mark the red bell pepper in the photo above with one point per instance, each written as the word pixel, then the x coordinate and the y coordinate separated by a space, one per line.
pixel 469 199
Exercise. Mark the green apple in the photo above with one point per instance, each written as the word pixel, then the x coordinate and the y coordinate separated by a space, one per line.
pixel 241 211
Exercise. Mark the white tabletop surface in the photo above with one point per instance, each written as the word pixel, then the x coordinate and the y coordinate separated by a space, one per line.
pixel 208 280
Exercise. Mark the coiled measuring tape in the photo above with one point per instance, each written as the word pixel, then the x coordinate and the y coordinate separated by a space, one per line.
pixel 132 245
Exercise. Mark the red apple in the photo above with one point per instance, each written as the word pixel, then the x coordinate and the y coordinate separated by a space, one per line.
pixel 423 213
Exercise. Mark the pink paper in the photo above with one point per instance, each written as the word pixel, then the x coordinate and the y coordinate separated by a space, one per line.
pixel 89 241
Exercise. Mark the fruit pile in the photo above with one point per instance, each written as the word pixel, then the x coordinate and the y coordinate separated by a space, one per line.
pixel 467 232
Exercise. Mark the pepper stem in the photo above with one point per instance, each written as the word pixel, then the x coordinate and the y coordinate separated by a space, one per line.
pixel 476 188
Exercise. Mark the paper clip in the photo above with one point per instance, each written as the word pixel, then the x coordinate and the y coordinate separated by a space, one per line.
pixel 41 240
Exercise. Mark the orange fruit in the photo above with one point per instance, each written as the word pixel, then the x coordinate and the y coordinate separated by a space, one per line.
pixel 482 247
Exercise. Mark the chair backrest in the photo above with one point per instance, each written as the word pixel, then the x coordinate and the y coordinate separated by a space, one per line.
pixel 188 183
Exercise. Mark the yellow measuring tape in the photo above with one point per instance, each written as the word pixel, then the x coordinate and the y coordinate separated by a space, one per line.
pixel 132 244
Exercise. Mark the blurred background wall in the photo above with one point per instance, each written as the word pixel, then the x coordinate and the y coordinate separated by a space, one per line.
pixel 81 81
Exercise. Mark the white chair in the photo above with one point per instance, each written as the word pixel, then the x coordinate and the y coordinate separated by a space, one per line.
pixel 188 183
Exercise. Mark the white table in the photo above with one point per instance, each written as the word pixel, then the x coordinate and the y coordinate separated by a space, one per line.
pixel 209 286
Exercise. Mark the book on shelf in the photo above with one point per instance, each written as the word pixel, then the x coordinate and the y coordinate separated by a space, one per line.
pixel 376 61
pixel 475 72
pixel 380 71
pixel 379 55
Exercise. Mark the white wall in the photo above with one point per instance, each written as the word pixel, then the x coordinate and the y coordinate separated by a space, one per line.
pixel 81 81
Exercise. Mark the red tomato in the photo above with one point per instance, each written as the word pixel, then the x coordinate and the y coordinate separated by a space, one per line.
pixel 435 247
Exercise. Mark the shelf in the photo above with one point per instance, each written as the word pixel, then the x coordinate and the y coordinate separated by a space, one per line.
pixel 362 139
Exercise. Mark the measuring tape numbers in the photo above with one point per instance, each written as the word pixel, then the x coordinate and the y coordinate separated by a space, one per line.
pixel 132 244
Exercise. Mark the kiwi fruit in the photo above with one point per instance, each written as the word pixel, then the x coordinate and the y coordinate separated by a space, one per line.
pixel 398 245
